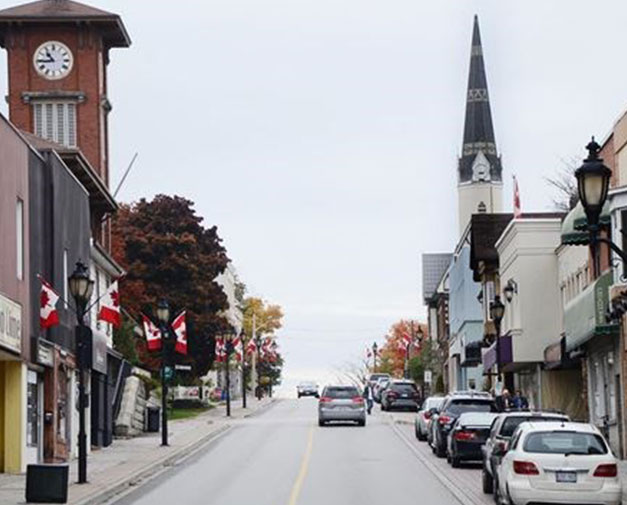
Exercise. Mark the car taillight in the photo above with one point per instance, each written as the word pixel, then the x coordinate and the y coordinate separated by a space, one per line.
pixel 444 419
pixel 426 415
pixel 392 394
pixel 525 468
pixel 358 399
pixel 464 435
pixel 325 399
pixel 608 470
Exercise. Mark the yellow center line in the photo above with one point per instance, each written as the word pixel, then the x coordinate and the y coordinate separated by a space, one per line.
pixel 298 484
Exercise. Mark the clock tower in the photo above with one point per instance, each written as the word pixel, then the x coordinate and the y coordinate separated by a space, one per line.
pixel 480 181
pixel 58 52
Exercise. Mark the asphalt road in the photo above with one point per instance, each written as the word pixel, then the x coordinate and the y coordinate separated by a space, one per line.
pixel 282 457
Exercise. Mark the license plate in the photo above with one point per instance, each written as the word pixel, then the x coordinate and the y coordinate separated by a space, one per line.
pixel 404 395
pixel 565 477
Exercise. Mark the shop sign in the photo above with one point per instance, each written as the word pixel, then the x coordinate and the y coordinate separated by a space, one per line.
pixel 10 325
pixel 45 354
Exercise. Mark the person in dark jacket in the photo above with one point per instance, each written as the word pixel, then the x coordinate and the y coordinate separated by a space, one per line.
pixel 369 397
pixel 519 401
pixel 504 401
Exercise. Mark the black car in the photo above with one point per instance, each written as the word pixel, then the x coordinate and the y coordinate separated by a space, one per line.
pixel 467 436
pixel 500 433
pixel 401 394
pixel 455 405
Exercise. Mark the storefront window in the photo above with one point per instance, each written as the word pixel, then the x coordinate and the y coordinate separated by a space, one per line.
pixel 32 411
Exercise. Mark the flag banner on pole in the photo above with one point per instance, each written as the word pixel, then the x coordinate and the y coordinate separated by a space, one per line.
pixel 517 207
pixel 48 298
pixel 152 333
pixel 110 306
pixel 220 352
pixel 251 347
pixel 237 348
pixel 179 326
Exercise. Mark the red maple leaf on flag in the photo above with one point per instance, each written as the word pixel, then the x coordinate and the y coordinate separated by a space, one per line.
pixel 43 299
pixel 115 298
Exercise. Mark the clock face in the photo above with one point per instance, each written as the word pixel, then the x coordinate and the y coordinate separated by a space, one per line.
pixel 53 60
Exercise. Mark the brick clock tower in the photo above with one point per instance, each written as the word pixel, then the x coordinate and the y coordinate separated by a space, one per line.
pixel 58 52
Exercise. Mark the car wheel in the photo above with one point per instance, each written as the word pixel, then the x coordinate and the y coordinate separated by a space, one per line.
pixel 448 458
pixel 439 450
pixel 420 436
pixel 321 422
pixel 361 422
pixel 454 462
pixel 487 482
pixel 417 432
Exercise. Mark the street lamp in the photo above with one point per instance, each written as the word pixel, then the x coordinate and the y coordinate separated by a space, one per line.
pixel 242 337
pixel 229 349
pixel 81 288
pixel 497 309
pixel 375 348
pixel 510 289
pixel 163 316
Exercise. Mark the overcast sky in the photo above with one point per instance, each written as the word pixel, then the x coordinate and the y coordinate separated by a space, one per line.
pixel 321 136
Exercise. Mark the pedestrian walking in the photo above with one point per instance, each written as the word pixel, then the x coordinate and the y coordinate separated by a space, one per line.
pixel 504 401
pixel 369 397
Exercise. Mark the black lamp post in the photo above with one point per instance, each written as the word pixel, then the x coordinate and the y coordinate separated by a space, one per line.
pixel 593 182
pixel 81 288
pixel 163 316
pixel 229 350
pixel 242 336
pixel 497 309
pixel 375 348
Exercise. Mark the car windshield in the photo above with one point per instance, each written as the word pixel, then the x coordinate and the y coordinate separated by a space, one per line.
pixel 404 388
pixel 460 406
pixel 564 442
pixel 512 422
pixel 477 419
pixel 339 392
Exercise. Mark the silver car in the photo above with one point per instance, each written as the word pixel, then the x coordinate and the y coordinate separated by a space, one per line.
pixel 341 403
pixel 424 415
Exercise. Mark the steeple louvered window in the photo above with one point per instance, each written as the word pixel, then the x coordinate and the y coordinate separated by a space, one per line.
pixel 56 121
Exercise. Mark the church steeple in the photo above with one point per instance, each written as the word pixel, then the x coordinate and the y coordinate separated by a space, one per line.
pixel 479 148
pixel 479 170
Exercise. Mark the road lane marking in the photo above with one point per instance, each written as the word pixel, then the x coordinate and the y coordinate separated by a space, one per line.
pixel 298 484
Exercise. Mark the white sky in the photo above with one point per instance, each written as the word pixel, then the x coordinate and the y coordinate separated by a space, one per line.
pixel 321 136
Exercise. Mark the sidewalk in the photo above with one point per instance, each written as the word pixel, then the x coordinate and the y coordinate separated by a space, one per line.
pixel 112 470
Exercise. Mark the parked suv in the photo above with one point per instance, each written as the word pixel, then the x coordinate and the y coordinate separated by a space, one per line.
pixel 400 394
pixel 454 405
pixel 500 434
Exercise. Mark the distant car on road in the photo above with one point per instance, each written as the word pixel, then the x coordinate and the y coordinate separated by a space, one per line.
pixel 421 424
pixel 455 405
pixel 563 462
pixel 307 389
pixel 341 403
pixel 401 394
pixel 500 434
pixel 468 434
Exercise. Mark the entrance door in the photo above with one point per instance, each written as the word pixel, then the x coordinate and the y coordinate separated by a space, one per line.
pixel 33 418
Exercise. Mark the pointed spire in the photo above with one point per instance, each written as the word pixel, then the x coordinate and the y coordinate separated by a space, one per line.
pixel 479 143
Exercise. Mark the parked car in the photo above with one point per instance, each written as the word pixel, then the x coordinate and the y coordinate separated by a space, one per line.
pixel 428 408
pixel 454 405
pixel 561 462
pixel 500 434
pixel 307 389
pixel 400 394
pixel 379 386
pixel 374 378
pixel 341 403
pixel 468 434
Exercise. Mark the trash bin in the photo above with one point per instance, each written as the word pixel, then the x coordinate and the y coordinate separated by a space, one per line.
pixel 152 418
pixel 46 483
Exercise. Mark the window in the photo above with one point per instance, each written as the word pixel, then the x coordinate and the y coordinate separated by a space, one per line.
pixel 56 121
pixel 19 234
pixel 565 442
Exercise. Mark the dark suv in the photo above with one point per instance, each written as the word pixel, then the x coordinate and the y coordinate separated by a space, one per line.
pixel 454 405
pixel 500 433
pixel 400 394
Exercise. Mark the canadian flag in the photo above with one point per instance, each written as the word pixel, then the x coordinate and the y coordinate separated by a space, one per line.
pixel 180 330
pixel 110 306
pixel 237 348
pixel 153 335
pixel 220 350
pixel 251 347
pixel 517 207
pixel 48 315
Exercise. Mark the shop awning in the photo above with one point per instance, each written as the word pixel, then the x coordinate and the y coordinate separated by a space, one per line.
pixel 584 316
pixel 575 224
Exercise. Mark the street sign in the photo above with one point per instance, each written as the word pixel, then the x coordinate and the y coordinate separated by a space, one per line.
pixel 428 377
pixel 185 368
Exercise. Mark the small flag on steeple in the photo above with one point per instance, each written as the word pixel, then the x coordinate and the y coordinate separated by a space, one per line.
pixel 517 208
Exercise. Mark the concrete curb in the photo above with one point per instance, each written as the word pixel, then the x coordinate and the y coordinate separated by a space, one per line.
pixel 449 484
pixel 118 489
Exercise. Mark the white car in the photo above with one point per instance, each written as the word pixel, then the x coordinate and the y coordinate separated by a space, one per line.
pixel 557 462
